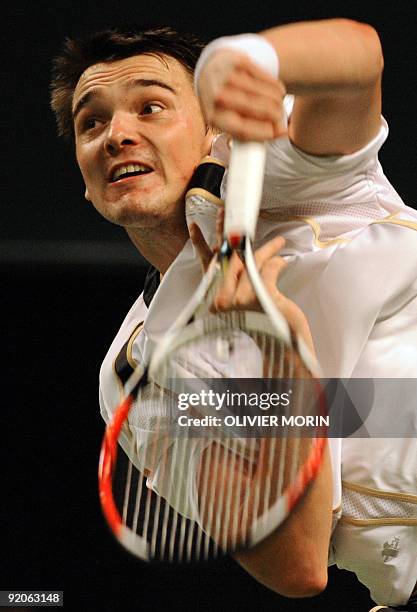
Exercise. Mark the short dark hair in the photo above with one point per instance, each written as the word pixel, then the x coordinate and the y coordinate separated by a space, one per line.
pixel 109 45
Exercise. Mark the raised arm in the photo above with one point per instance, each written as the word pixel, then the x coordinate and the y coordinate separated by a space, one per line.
pixel 333 68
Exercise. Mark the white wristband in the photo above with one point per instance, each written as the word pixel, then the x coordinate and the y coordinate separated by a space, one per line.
pixel 257 48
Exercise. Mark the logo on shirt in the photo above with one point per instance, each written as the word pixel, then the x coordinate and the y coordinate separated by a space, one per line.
pixel 390 550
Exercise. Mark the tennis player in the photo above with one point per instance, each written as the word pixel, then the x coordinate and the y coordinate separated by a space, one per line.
pixel 313 91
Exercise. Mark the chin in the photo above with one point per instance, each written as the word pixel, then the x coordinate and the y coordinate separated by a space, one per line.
pixel 131 213
pixel 135 218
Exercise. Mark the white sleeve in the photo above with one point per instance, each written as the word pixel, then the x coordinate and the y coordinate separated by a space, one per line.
pixel 293 175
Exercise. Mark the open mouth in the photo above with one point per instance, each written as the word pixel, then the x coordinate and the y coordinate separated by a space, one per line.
pixel 129 170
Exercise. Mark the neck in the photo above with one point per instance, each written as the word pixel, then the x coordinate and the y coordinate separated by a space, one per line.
pixel 159 246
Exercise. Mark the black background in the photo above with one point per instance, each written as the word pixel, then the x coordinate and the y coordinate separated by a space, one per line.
pixel 62 303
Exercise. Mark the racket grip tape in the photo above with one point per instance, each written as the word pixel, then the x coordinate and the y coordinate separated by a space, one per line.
pixel 244 189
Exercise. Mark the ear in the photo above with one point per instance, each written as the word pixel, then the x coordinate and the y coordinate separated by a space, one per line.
pixel 87 196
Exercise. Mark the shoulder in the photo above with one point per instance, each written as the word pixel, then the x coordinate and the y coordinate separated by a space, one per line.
pixel 406 219
pixel 395 237
pixel 383 254
pixel 119 361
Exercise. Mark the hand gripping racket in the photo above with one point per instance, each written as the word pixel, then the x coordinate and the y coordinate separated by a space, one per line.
pixel 189 467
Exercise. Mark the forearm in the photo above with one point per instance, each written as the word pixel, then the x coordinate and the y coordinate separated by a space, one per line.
pixel 326 56
pixel 292 561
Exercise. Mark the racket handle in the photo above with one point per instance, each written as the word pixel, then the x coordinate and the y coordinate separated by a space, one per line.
pixel 244 188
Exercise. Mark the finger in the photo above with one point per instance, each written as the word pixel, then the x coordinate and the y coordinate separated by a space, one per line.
pixel 243 128
pixel 252 97
pixel 253 106
pixel 257 91
pixel 244 63
pixel 270 266
pixel 268 250
pixel 250 105
pixel 237 291
pixel 243 80
pixel 220 225
pixel 241 85
pixel 224 298
pixel 203 250
pixel 271 271
pixel 245 297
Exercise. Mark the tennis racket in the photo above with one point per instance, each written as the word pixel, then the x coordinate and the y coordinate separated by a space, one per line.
pixel 187 472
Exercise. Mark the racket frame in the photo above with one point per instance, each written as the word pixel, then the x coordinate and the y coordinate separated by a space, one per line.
pixel 239 232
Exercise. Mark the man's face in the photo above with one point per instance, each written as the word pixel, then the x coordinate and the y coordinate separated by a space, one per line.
pixel 139 135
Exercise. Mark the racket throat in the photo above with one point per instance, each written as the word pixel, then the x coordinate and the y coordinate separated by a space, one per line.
pixel 231 243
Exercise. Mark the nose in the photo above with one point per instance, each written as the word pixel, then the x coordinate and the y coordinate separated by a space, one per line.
pixel 122 131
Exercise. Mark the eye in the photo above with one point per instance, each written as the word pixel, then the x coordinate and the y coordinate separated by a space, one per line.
pixel 89 123
pixel 152 108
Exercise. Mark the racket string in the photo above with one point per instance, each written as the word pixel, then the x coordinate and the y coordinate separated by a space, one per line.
pixel 236 480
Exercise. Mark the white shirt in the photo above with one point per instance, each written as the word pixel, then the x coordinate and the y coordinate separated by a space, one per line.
pixel 351 247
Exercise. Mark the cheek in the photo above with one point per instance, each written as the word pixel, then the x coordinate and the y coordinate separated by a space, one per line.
pixel 185 148
pixel 88 163
pixel 83 166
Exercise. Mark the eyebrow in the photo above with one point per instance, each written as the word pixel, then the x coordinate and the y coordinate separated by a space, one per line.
pixel 86 98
